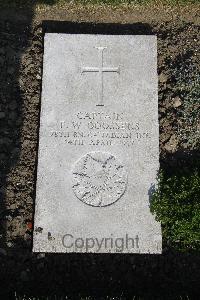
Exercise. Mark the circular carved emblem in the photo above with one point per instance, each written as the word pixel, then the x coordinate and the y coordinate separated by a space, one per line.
pixel 99 179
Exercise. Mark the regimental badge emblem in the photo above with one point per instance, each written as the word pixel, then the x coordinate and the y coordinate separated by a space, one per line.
pixel 99 179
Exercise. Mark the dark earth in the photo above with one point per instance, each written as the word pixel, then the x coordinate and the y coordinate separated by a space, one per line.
pixel 165 276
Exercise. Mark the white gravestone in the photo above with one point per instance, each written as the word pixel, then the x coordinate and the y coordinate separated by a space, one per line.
pixel 98 145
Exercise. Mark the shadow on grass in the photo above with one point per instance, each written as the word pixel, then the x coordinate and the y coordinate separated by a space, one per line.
pixel 28 5
pixel 48 2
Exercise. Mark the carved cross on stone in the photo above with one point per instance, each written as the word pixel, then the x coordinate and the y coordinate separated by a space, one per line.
pixel 100 70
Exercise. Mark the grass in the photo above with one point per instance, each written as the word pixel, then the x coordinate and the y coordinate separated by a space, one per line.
pixel 136 2
pixel 31 3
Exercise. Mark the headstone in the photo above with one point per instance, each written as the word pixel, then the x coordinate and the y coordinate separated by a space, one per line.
pixel 98 145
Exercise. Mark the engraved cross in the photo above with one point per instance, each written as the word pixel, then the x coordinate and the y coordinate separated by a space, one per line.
pixel 100 70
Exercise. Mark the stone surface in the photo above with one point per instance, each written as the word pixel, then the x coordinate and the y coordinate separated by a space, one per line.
pixel 98 146
pixel 99 179
pixel 177 102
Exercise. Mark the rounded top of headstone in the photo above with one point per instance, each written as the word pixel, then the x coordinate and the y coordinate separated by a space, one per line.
pixel 99 179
